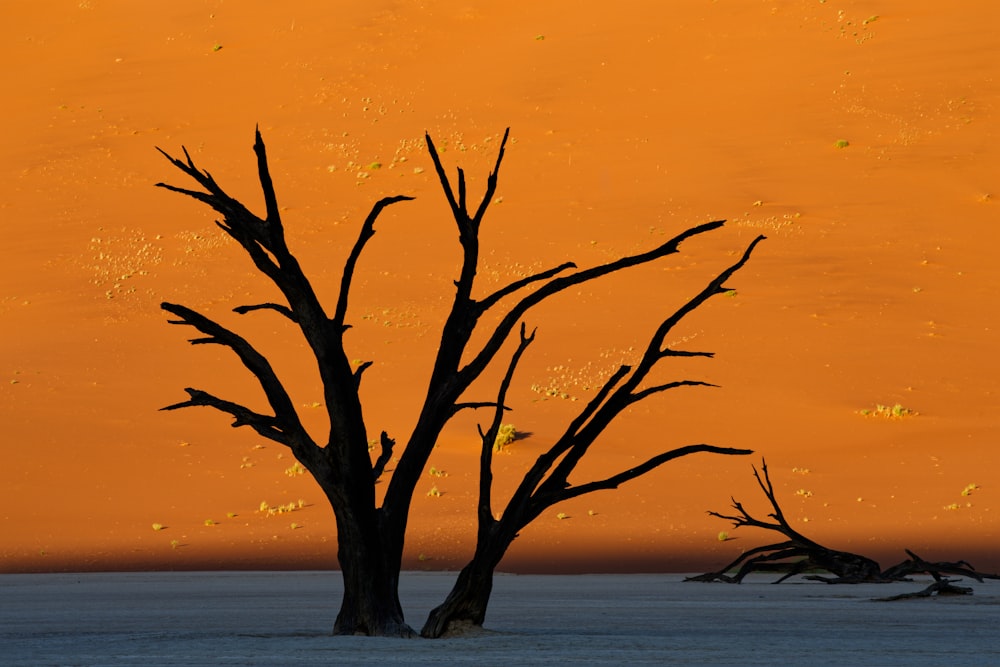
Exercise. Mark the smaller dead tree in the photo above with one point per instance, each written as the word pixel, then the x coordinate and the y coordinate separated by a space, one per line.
pixel 795 555
pixel 798 554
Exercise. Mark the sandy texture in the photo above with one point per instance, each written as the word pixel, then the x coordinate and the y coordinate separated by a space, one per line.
pixel 259 618
pixel 877 284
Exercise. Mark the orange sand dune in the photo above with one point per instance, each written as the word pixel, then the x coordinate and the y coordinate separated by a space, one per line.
pixel 877 284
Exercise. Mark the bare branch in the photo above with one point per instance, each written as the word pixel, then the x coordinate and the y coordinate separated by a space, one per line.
pixel 265 245
pixel 503 330
pixel 262 239
pixel 489 438
pixel 578 441
pixel 491 182
pixel 534 478
pixel 267 186
pixel 492 299
pixel 595 403
pixel 782 526
pixel 284 310
pixel 215 196
pixel 367 231
pixel 443 177
pixel 768 488
pixel 459 208
pixel 649 391
pixel 253 360
pixel 267 426
pixel 449 379
pixel 744 518
pixel 195 194
pixel 361 369
pixel 446 384
pixel 475 405
pixel 615 481
pixel 387 444
pixel 716 286
pixel 461 190
pixel 667 352
pixel 188 167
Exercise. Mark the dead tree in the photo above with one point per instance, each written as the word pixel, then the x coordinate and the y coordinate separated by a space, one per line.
pixel 799 554
pixel 371 537
pixel 795 555
pixel 342 468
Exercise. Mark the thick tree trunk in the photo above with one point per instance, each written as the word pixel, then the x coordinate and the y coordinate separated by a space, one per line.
pixel 370 604
pixel 466 603
pixel 371 599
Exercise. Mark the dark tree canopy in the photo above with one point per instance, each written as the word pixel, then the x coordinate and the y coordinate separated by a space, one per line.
pixel 371 536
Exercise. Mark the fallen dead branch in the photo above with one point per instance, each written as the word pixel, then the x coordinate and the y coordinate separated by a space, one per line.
pixel 798 554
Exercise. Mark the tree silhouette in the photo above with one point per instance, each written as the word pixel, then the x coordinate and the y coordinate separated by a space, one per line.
pixel 371 536
pixel 798 554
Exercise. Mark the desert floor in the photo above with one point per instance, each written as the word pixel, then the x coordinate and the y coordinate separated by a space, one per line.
pixel 862 137
pixel 284 618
